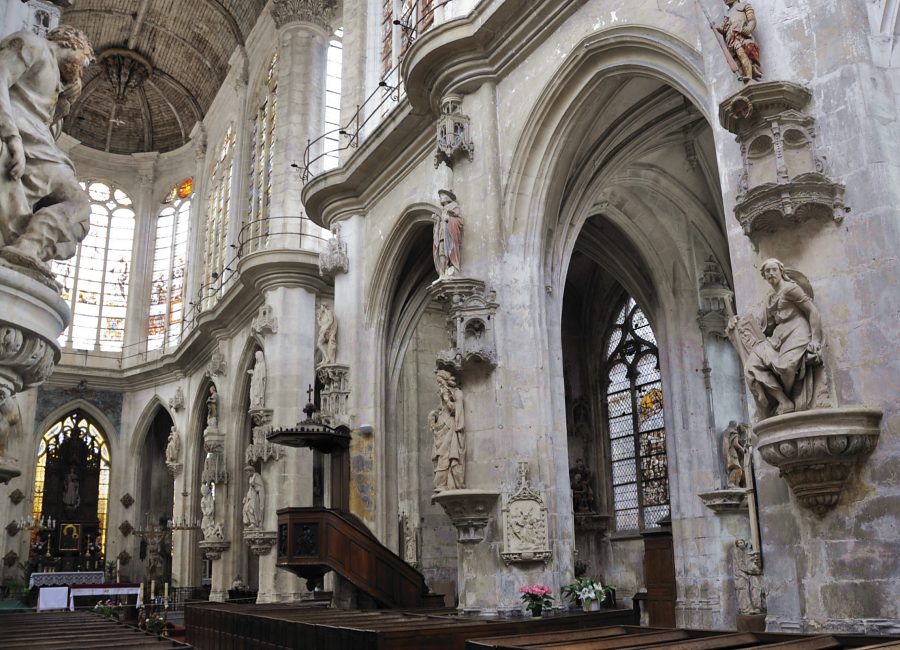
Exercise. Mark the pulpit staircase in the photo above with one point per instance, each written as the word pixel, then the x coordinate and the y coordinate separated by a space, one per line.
pixel 314 541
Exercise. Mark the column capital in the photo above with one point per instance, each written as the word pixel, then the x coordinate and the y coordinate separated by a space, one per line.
pixel 317 12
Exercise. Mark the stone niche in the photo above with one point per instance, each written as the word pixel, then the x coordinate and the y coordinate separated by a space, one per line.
pixel 470 324
pixel 783 180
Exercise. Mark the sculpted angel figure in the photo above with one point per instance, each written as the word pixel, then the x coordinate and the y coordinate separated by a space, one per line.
pixel 44 213
pixel 738 28
pixel 448 425
pixel 326 340
pixel 447 236
pixel 781 349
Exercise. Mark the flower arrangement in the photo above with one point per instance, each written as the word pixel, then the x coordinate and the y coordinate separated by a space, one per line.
pixel 154 624
pixel 536 597
pixel 108 608
pixel 585 591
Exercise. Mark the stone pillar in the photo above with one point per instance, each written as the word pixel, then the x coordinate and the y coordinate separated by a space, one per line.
pixel 354 87
pixel 195 271
pixel 141 276
pixel 303 32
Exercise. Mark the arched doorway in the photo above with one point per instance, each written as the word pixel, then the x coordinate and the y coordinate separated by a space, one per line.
pixel 156 491
pixel 71 495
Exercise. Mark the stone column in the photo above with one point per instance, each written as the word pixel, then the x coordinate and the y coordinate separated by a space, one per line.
pixel 303 32
pixel 194 272
pixel 141 275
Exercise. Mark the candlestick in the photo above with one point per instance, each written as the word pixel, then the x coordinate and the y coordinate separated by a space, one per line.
pixel 152 589
pixel 166 591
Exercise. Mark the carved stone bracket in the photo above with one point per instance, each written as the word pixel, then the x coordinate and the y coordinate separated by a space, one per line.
pixel 470 322
pixel 261 450
pixel 469 511
pixel 715 299
pixel 214 548
pixel 454 138
pixel 525 536
pixel 334 259
pixel 174 467
pixel 784 180
pixel 317 12
pixel 214 468
pixel 726 500
pixel 335 392
pixel 217 364
pixel 265 321
pixel 816 450
pixel 260 541
pixel 176 403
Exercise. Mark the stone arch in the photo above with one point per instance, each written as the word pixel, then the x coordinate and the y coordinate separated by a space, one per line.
pixel 153 406
pixel 110 431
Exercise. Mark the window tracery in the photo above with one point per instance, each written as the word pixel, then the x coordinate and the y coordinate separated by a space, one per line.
pixel 633 403
pixel 95 280
pixel 262 143
pixel 167 285
pixel 218 208
pixel 333 99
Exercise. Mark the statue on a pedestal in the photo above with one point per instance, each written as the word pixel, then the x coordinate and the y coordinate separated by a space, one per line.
pixel 173 448
pixel 212 407
pixel 447 236
pixel 448 426
pixel 326 340
pixel 781 349
pixel 738 30
pixel 258 381
pixel 41 78
pixel 254 502
pixel 747 569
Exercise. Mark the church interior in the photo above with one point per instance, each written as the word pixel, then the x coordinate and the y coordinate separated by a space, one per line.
pixel 449 323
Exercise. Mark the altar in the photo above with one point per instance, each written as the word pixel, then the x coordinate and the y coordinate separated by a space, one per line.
pixel 66 578
pixel 104 591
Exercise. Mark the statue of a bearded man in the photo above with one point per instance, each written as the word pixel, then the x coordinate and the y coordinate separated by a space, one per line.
pixel 44 213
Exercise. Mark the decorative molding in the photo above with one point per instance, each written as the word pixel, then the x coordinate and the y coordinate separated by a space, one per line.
pixel 127 500
pixel 816 450
pixel 470 321
pixel 174 467
pixel 26 359
pixel 265 321
pixel 217 366
pixel 317 12
pixel 715 300
pixel 334 259
pixel 525 537
pixel 213 549
pixel 17 496
pixel 726 500
pixel 335 393
pixel 176 403
pixel 214 467
pixel 126 528
pixel 469 511
pixel 454 137
pixel 261 450
pixel 784 181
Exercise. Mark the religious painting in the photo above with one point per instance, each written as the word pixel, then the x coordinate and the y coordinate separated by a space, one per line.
pixel 70 537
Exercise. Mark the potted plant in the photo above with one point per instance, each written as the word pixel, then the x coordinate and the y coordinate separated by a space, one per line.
pixel 536 598
pixel 590 594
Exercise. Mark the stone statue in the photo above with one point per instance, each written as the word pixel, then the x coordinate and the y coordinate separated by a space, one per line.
pixel 582 493
pixel 326 341
pixel 9 420
pixel 747 570
pixel 212 407
pixel 258 381
pixel 781 349
pixel 71 490
pixel 447 236
pixel 734 450
pixel 41 79
pixel 737 28
pixel 448 426
pixel 208 510
pixel 254 502
pixel 173 448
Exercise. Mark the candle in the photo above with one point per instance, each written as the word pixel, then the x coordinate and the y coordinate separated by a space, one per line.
pixel 141 593
pixel 152 589
pixel 166 591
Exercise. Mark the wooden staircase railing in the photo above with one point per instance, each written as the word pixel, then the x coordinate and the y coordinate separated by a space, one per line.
pixel 313 541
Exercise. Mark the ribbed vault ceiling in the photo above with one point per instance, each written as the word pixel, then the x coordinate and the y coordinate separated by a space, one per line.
pixel 187 44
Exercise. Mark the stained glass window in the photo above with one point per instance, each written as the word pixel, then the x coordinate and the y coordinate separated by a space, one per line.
pixel 634 412
pixel 218 208
pixel 167 285
pixel 262 142
pixel 77 442
pixel 95 280
pixel 333 99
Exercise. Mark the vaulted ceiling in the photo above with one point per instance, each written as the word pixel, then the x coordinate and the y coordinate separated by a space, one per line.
pixel 160 64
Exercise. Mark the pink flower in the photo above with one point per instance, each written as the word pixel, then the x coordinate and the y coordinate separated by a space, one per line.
pixel 538 591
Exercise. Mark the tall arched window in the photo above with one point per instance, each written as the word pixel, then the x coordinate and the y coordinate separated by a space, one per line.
pixel 218 208
pixel 95 280
pixel 333 99
pixel 71 486
pixel 634 411
pixel 167 287
pixel 256 225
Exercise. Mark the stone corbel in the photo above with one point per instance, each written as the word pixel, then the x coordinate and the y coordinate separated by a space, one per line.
pixel 213 548
pixel 715 299
pixel 214 470
pixel 261 450
pixel 260 541
pixel 335 392
pixel 174 467
pixel 217 364
pixel 816 450
pixel 726 500
pixel 470 321
pixel 454 138
pixel 469 511
pixel 334 259
pixel 265 321
pixel 783 181
pixel 176 403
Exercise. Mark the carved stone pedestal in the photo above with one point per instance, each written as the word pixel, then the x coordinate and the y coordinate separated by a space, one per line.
pixel 213 548
pixel 816 450
pixel 469 510
pixel 174 468
pixel 32 316
pixel 470 322
pixel 726 500
pixel 260 541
